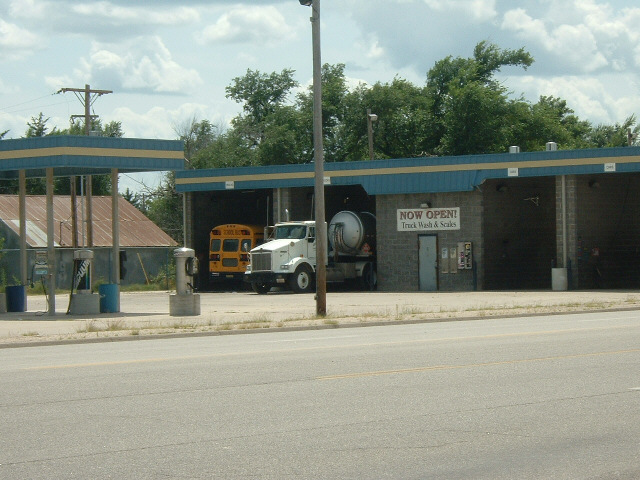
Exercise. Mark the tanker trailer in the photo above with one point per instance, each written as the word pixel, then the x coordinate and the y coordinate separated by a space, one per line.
pixel 352 254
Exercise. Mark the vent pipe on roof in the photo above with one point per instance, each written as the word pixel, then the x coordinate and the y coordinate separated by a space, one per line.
pixel 552 146
pixel 514 149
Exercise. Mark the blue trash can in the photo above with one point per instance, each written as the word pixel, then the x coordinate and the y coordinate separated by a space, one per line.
pixel 109 298
pixel 16 298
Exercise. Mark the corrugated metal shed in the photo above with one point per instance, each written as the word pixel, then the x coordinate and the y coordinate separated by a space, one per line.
pixel 417 175
pixel 136 230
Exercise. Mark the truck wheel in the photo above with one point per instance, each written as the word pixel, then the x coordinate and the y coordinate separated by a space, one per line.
pixel 302 280
pixel 369 277
pixel 260 288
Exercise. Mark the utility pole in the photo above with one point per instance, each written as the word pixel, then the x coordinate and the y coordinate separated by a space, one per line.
pixel 87 100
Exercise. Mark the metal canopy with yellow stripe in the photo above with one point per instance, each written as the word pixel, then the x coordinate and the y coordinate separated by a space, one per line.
pixel 417 175
pixel 80 155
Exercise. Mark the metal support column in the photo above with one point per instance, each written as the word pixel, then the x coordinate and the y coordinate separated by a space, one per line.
pixel 51 252
pixel 22 215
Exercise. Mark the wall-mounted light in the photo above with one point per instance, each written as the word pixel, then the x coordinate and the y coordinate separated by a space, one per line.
pixel 425 205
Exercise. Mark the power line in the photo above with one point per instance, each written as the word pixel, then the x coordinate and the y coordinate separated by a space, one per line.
pixel 28 101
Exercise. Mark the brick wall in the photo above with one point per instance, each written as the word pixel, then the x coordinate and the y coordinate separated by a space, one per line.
pixel 398 256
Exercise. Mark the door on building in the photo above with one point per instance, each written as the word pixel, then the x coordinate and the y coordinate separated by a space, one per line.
pixel 428 258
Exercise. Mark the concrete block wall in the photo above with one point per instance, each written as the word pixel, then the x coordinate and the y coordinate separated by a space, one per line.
pixel 398 256
pixel 298 201
pixel 571 212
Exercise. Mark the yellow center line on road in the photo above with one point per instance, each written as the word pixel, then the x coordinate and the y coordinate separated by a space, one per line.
pixel 470 365
pixel 328 347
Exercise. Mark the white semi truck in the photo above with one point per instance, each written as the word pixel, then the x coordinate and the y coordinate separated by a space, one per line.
pixel 288 259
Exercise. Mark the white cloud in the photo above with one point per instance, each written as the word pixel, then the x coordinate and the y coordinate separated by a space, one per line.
pixel 481 10
pixel 160 122
pixel 265 25
pixel 15 41
pixel 573 44
pixel 100 19
pixel 141 64
pixel 605 99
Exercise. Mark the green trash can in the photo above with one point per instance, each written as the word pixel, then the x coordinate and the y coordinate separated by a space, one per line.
pixel 109 298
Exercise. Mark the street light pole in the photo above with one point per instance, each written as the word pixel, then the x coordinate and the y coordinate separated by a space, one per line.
pixel 371 117
pixel 318 158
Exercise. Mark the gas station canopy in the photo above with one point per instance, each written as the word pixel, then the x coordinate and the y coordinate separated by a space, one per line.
pixel 86 155
pixel 66 156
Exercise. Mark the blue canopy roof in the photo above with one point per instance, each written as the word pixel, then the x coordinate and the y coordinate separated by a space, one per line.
pixel 87 155
pixel 417 175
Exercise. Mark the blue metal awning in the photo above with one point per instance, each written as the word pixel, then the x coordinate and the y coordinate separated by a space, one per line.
pixel 417 175
pixel 86 155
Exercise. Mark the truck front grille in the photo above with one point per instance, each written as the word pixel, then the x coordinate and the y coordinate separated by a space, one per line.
pixel 261 261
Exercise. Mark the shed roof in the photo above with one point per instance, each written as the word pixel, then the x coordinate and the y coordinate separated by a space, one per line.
pixel 417 175
pixel 136 230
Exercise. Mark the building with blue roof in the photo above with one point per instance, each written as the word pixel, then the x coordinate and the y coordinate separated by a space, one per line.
pixel 531 220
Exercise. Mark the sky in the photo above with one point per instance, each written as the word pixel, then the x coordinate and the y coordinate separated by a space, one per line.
pixel 169 61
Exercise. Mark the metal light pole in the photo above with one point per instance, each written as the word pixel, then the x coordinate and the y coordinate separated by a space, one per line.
pixel 371 117
pixel 318 158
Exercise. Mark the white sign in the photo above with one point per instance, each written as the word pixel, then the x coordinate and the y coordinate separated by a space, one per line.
pixel 327 180
pixel 229 185
pixel 428 219
pixel 609 167
pixel 512 172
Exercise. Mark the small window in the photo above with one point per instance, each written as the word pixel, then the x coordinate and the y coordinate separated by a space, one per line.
pixel 246 245
pixel 215 245
pixel 230 245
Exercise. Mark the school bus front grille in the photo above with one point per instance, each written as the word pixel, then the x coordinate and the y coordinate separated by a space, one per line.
pixel 261 261
pixel 229 262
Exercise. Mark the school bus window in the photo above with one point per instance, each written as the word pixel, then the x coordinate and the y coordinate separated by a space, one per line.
pixel 230 245
pixel 246 245
pixel 215 245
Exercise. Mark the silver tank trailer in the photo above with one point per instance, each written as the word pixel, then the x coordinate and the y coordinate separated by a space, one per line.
pixel 349 231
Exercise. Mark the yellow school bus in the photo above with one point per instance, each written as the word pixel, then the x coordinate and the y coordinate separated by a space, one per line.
pixel 229 247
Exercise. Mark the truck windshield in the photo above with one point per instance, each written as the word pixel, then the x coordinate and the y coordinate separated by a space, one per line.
pixel 290 231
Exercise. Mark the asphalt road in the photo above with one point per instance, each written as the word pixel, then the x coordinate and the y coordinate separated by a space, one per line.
pixel 554 397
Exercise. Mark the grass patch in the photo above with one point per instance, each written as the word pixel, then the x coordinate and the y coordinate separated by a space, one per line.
pixel 90 327
pixel 30 334
pixel 115 326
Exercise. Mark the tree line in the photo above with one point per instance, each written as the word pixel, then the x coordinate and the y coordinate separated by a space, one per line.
pixel 462 109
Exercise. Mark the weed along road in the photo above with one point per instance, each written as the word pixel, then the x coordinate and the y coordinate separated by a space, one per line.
pixel 528 397
pixel 145 314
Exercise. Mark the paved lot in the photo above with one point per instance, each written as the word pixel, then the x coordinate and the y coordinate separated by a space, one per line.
pixel 147 313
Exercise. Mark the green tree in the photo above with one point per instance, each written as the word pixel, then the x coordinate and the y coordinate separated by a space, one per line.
pixel 466 98
pixel 334 111
pixel 196 135
pixel 614 135
pixel 165 209
pixel 37 127
pixel 404 124
pixel 260 93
